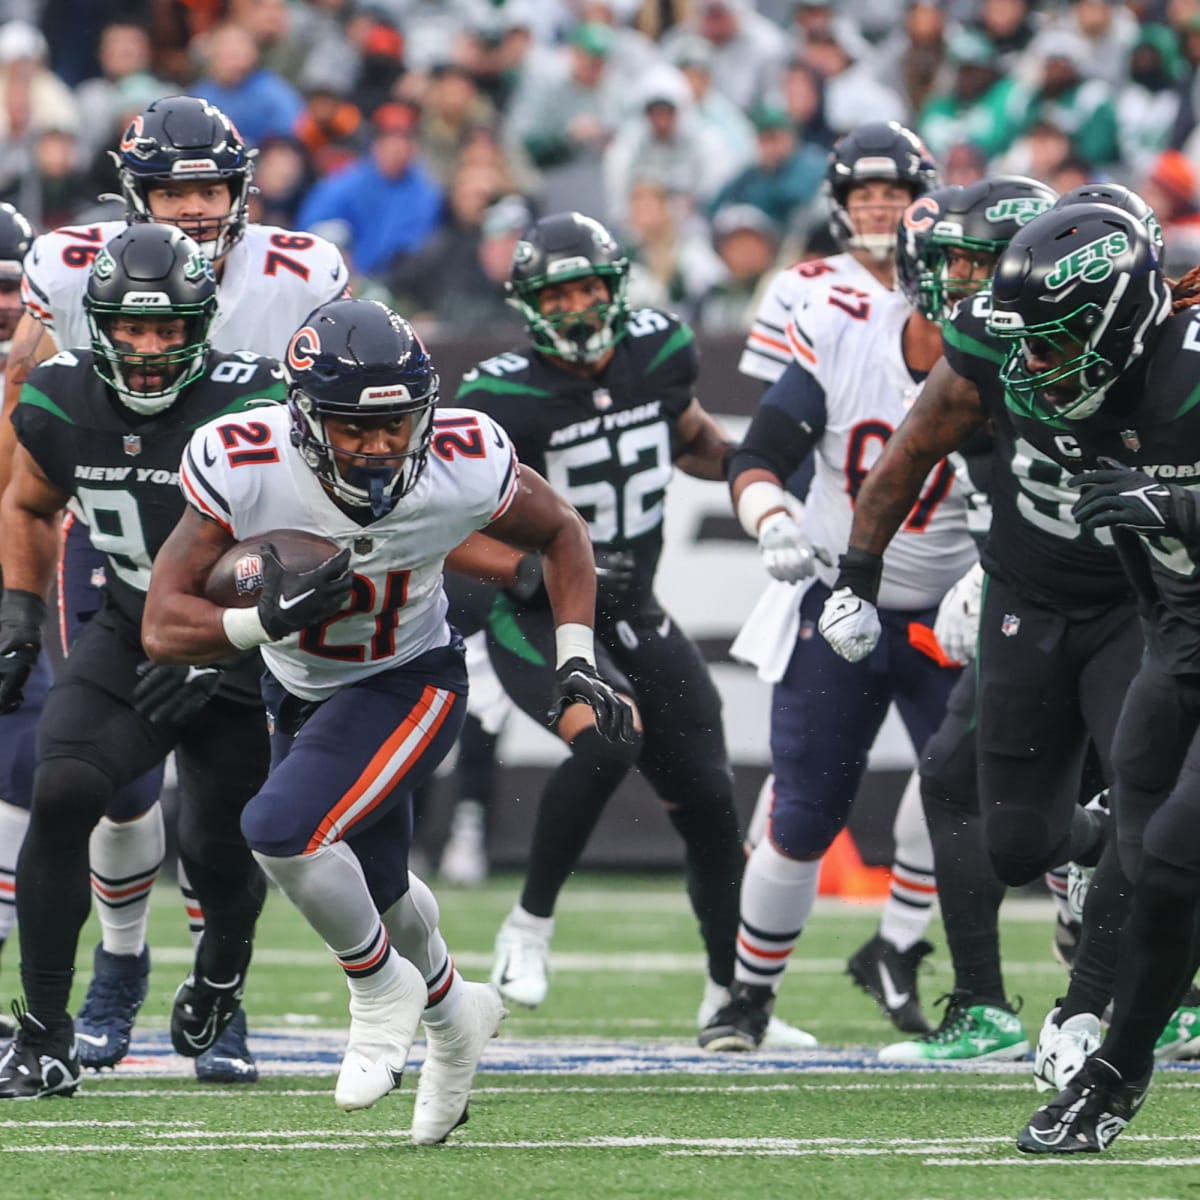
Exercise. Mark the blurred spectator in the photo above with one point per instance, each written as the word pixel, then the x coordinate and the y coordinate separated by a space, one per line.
pixel 125 56
pixel 452 106
pixel 786 175
pixel 174 26
pixel 1189 89
pixel 318 30
pixel 748 48
pixel 1039 152
pixel 269 22
pixel 456 281
pixel 483 145
pixel 1072 172
pixel 282 176
pixel 73 29
pixel 1109 30
pixel 498 48
pixel 381 48
pixel 387 201
pixel 1170 189
pixel 1057 88
pixel 633 54
pixel 727 130
pixel 852 94
pixel 975 106
pixel 747 241
pixel 1148 101
pixel 963 163
pixel 802 93
pixel 1010 25
pixel 660 141
pixel 53 192
pixel 909 59
pixel 330 126
pixel 259 102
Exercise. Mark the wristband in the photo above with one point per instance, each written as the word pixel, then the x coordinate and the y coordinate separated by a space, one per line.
pixel 756 500
pixel 21 608
pixel 860 571
pixel 574 641
pixel 244 628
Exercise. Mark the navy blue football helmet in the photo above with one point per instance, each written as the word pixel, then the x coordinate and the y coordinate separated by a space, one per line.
pixel 1119 196
pixel 16 236
pixel 179 139
pixel 356 360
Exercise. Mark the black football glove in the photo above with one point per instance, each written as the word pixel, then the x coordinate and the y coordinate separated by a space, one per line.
pixel 174 693
pixel 1119 495
pixel 577 682
pixel 292 600
pixel 616 571
pixel 21 617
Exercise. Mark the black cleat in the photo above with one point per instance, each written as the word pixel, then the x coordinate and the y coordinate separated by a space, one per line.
pixel 229 1060
pixel 742 1023
pixel 201 1011
pixel 39 1063
pixel 1087 1115
pixel 890 977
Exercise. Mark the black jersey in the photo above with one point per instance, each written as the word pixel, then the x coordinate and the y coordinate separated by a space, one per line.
pixel 122 469
pixel 1034 543
pixel 604 442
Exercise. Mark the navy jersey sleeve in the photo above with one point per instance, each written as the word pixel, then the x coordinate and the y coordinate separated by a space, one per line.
pixel 787 425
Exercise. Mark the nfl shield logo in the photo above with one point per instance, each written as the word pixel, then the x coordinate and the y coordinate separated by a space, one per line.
pixel 1010 625
pixel 248 575
pixel 132 444
pixel 601 399
pixel 364 545
pixel 1131 439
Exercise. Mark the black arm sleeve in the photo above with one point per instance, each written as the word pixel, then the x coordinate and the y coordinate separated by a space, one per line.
pixel 786 426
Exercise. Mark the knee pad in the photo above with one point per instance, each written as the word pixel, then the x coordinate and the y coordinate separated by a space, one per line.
pixel 267 830
pixel 1017 844
pixel 70 792
pixel 799 830
pixel 137 798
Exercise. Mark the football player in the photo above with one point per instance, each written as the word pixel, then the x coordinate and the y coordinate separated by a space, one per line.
pixel 859 362
pixel 602 402
pixel 180 162
pixel 367 682
pixel 104 428
pixel 1100 373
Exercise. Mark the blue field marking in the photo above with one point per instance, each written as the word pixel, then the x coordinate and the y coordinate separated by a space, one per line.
pixel 319 1052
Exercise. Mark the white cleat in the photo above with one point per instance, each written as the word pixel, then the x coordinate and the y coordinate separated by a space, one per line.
pixel 779 1035
pixel 464 857
pixel 520 967
pixel 451 1056
pixel 382 1029
pixel 1062 1049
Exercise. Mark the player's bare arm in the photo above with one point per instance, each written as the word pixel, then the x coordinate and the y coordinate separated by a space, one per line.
pixel 29 515
pixel 31 345
pixel 702 443
pixel 486 559
pixel 179 625
pixel 540 519
pixel 946 413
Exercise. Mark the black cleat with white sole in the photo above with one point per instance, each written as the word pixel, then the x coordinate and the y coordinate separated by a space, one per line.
pixel 1087 1116
pixel 889 975
pixel 39 1062
pixel 201 1011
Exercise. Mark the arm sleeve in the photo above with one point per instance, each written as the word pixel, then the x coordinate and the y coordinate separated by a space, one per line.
pixel 788 424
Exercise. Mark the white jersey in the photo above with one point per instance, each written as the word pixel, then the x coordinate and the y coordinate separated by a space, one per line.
pixel 399 612
pixel 270 281
pixel 851 344
pixel 767 352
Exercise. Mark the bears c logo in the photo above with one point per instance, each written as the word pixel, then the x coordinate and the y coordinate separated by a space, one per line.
pixel 920 214
pixel 303 348
pixel 132 135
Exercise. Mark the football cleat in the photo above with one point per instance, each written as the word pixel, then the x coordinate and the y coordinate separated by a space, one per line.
pixel 779 1036
pixel 1087 1115
pixel 382 1029
pixel 742 1024
pixel 452 1052
pixel 889 976
pixel 228 1059
pixel 201 1011
pixel 1066 940
pixel 968 1033
pixel 464 857
pixel 1180 1037
pixel 39 1063
pixel 1063 1048
pixel 520 967
pixel 1079 880
pixel 104 1024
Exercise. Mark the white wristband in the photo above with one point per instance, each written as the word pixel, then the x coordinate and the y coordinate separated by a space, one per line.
pixel 574 641
pixel 244 628
pixel 756 500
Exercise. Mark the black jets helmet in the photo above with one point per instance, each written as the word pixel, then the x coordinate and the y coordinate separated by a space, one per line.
pixel 16 236
pixel 182 138
pixel 1120 197
pixel 875 150
pixel 352 360
pixel 976 220
pixel 562 247
pixel 1079 289
pixel 150 271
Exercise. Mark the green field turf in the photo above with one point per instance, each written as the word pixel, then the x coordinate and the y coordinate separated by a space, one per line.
pixel 601 1093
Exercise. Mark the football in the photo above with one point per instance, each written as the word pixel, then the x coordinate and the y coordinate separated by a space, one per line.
pixel 237 576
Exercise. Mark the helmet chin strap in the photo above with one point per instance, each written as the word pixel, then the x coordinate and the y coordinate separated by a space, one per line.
pixel 880 246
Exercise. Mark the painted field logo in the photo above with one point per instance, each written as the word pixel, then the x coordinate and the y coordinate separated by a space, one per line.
pixel 1091 263
pixel 1021 209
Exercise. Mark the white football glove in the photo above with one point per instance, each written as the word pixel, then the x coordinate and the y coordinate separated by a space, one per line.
pixel 785 551
pixel 957 624
pixel 850 625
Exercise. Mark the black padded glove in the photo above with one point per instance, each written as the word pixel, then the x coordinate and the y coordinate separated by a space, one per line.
pixel 21 617
pixel 293 600
pixel 577 682
pixel 174 693
pixel 1120 495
